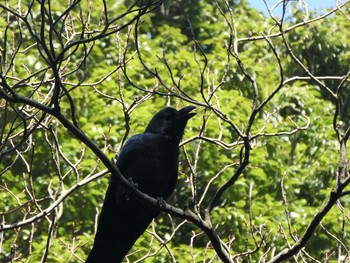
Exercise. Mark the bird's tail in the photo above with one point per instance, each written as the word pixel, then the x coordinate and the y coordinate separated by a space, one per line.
pixel 119 227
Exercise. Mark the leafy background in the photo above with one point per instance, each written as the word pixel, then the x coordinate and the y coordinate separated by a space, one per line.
pixel 290 174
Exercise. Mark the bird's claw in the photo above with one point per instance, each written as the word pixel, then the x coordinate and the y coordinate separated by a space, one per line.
pixel 134 187
pixel 160 203
pixel 133 184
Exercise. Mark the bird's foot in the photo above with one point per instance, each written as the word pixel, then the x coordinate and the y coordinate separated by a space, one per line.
pixel 160 203
pixel 133 185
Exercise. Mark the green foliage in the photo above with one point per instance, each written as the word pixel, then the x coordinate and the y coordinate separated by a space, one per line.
pixel 294 156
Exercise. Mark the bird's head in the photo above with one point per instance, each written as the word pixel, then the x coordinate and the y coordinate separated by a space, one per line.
pixel 170 122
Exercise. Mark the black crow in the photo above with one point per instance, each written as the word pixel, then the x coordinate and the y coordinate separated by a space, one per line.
pixel 150 161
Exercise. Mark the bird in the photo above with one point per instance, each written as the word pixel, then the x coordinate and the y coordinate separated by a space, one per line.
pixel 150 162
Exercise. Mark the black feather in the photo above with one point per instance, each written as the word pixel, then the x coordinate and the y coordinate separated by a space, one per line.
pixel 150 161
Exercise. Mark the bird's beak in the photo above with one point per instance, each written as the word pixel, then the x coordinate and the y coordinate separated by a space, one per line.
pixel 185 113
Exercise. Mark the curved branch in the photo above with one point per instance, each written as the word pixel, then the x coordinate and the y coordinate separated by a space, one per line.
pixel 288 253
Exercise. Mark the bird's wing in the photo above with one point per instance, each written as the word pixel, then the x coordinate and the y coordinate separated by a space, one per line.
pixel 140 161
